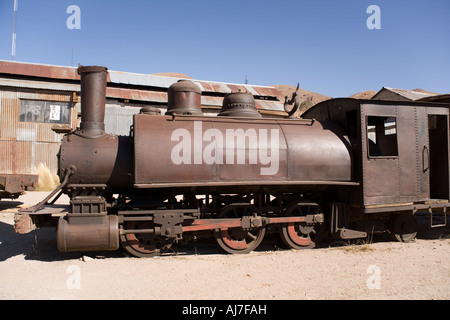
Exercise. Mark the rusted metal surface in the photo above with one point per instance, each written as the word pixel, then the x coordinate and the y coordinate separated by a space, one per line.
pixel 400 174
pixel 24 157
pixel 136 94
pixel 104 160
pixel 13 185
pixel 445 98
pixel 236 175
pixel 298 151
pixel 393 94
pixel 209 224
pixel 94 156
pixel 403 176
pixel 132 86
pixel 38 70
pixel 184 97
pixel 128 78
pixel 88 233
pixel 24 144
pixel 35 84
pixel 239 104
pixel 93 97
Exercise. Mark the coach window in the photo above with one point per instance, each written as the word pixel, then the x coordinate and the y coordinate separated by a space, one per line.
pixel 382 136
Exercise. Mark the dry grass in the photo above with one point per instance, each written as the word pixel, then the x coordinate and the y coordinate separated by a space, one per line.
pixel 47 180
pixel 361 245
pixel 354 248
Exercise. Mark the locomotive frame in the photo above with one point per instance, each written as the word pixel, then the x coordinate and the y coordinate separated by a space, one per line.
pixel 347 168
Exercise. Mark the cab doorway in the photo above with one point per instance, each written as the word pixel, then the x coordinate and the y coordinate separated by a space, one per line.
pixel 438 162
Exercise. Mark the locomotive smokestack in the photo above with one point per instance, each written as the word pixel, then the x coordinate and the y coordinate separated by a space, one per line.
pixel 93 96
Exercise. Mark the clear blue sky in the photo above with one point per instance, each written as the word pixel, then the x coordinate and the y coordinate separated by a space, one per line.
pixel 325 45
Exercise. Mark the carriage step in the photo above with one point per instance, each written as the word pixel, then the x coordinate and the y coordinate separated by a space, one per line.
pixel 443 215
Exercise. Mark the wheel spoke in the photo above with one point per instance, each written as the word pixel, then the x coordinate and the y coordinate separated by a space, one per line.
pixel 238 240
pixel 298 235
pixel 251 236
pixel 142 245
pixel 233 244
pixel 294 236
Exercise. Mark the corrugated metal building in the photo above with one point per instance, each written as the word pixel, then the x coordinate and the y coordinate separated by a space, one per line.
pixel 39 103
pixel 394 94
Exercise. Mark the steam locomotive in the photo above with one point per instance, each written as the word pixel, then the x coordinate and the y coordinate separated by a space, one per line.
pixel 346 168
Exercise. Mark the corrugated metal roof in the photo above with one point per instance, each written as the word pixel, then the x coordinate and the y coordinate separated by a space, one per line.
pixel 439 98
pixel 206 86
pixel 409 94
pixel 127 79
pixel 33 84
pixel 39 70
pixel 260 104
pixel 269 105
pixel 138 95
pixel 140 79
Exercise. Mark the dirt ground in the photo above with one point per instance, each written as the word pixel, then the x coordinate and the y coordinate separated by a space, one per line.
pixel 32 268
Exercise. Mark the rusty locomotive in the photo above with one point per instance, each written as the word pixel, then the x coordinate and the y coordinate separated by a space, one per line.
pixel 347 168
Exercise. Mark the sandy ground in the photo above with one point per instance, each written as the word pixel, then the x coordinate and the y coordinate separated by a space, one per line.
pixel 32 268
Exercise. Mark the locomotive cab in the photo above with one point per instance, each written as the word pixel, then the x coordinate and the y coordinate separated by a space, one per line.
pixel 401 161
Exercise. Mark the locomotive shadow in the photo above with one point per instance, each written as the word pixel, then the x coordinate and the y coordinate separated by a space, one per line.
pixel 39 245
pixel 424 232
pixel 5 205
pixel 209 246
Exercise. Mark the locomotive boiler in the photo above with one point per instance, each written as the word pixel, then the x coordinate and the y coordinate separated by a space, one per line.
pixel 234 176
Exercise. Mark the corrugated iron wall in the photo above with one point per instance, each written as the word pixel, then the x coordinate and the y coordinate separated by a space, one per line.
pixel 23 145
pixel 118 119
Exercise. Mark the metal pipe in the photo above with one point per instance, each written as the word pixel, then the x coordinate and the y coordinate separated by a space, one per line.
pixel 93 97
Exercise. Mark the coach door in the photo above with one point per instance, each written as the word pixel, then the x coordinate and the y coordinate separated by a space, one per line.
pixel 380 154
pixel 437 156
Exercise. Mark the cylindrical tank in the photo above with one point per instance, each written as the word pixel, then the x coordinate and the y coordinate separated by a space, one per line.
pixel 239 104
pixel 93 96
pixel 184 97
pixel 91 232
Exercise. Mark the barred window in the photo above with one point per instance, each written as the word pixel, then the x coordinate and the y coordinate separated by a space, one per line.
pixel 44 111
